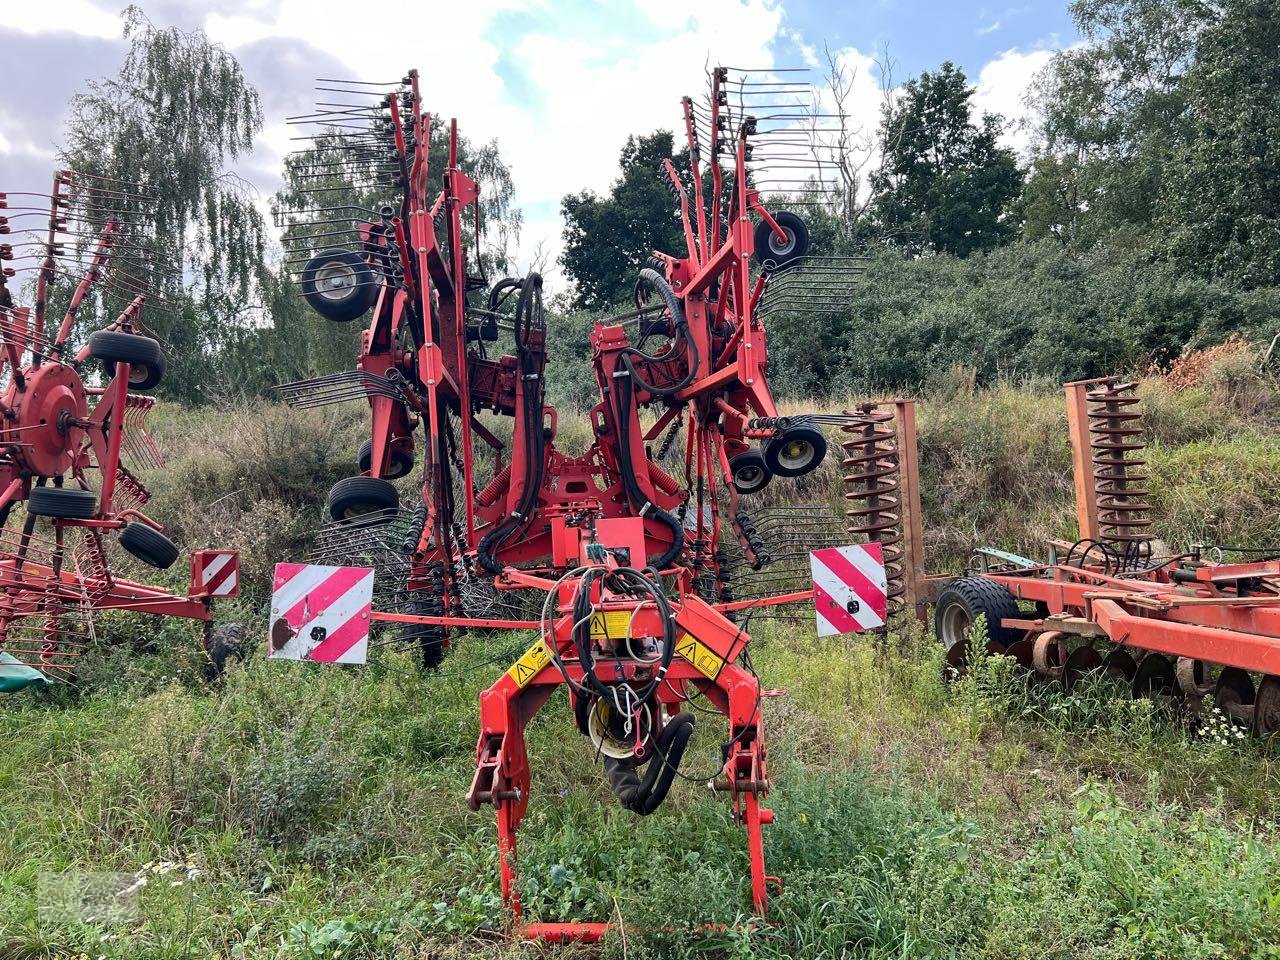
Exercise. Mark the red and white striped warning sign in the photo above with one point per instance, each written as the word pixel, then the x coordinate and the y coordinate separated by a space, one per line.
pixel 849 588
pixel 321 613
pixel 217 573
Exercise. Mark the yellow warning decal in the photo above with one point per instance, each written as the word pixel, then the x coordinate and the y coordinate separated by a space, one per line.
pixel 705 660
pixel 612 624
pixel 530 664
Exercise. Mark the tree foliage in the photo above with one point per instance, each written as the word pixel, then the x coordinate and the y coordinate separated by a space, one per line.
pixel 945 185
pixel 607 239
pixel 170 121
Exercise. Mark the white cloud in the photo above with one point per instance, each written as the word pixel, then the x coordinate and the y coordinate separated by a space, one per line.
pixel 72 16
pixel 989 28
pixel 1002 88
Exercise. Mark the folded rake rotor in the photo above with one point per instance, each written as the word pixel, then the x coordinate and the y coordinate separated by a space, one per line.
pixel 70 417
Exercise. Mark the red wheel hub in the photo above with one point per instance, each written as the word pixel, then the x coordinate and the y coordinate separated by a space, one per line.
pixel 42 428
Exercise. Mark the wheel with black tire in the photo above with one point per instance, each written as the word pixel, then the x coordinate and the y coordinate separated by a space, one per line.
pixel 968 598
pixel 795 452
pixel 401 461
pixel 363 500
pixel 339 285
pixel 223 644
pixel 144 356
pixel 748 472
pixel 427 639
pixel 149 545
pixel 62 503
pixel 772 252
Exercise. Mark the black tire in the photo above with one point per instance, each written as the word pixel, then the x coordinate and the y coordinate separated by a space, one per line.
pixel 221 645
pixel 797 451
pixel 339 285
pixel 149 545
pixel 363 500
pixel 143 355
pixel 749 473
pixel 964 601
pixel 428 641
pixel 401 461
pixel 62 503
pixel 773 253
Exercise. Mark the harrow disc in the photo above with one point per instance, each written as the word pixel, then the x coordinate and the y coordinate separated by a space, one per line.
pixel 1079 662
pixel 1234 695
pixel 1120 667
pixel 1266 708
pixel 1154 677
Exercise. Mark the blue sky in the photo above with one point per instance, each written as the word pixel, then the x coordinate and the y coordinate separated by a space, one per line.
pixel 558 83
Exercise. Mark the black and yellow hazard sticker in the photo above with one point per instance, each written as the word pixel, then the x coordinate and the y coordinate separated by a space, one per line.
pixel 530 664
pixel 705 660
pixel 611 624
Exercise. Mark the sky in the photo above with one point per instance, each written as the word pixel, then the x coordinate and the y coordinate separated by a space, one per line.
pixel 558 83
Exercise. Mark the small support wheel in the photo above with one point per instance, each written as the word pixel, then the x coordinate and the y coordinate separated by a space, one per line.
pixel 339 285
pixel 149 545
pixel 62 503
pixel 774 253
pixel 1195 677
pixel 795 452
pixel 363 500
pixel 401 461
pixel 1049 654
pixel 429 640
pixel 144 356
pixel 222 644
pixel 964 601
pixel 749 473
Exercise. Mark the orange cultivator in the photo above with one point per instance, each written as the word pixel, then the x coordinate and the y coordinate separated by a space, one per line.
pixel 1183 625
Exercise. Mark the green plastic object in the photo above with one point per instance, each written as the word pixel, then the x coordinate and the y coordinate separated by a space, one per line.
pixel 16 675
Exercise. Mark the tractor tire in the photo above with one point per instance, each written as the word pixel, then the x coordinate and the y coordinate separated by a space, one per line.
pixel 772 253
pixel 363 500
pixel 149 545
pixel 339 285
pixel 749 473
pixel 428 641
pixel 964 601
pixel 62 503
pixel 144 356
pixel 221 645
pixel 797 451
pixel 401 461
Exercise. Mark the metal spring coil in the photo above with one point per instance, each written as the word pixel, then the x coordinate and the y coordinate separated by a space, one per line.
pixel 871 486
pixel 1119 480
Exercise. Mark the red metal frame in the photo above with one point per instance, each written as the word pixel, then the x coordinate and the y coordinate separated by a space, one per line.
pixel 55 428
pixel 710 377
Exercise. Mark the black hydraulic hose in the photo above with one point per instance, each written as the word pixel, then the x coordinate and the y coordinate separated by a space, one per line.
pixel 676 309
pixel 630 484
pixel 645 796
pixel 529 316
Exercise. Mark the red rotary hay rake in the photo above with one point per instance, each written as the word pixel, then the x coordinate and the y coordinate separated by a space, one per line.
pixel 68 421
pixel 620 547
pixel 1180 627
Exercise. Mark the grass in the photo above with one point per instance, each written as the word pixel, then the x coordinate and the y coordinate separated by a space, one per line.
pixel 301 811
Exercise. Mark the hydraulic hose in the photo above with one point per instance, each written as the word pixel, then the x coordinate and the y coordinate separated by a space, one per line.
pixel 645 796
pixel 631 486
pixel 529 317
pixel 676 309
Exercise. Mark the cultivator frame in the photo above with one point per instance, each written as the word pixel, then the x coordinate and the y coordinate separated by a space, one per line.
pixel 623 551
pixel 1183 626
pixel 59 427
